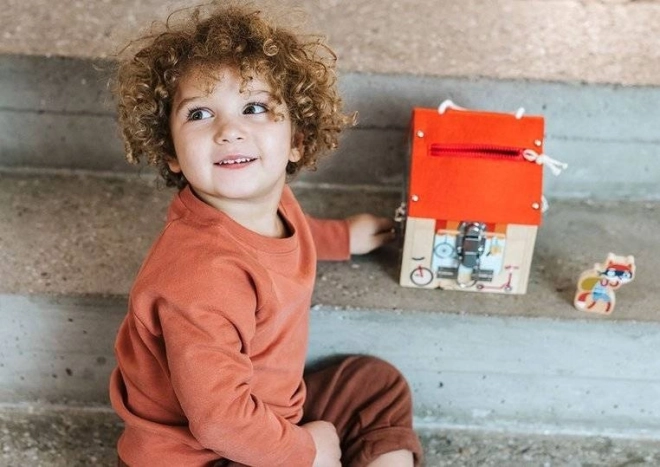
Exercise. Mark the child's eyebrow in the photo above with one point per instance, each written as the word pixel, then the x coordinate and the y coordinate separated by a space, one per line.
pixel 185 102
pixel 256 92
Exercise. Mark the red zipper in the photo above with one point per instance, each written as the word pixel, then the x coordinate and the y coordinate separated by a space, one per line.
pixel 475 150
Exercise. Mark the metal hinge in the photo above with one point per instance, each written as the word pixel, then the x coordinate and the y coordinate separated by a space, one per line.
pixel 401 212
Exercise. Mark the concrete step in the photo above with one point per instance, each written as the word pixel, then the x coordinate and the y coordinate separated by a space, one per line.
pixel 75 223
pixel 71 244
pixel 77 235
pixel 604 41
pixel 71 437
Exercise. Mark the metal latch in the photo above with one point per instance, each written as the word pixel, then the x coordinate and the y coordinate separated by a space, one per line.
pixel 470 245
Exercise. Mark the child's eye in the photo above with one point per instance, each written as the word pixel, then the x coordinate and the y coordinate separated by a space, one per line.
pixel 198 114
pixel 255 108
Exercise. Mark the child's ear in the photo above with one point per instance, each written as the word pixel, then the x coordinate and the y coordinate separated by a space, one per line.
pixel 296 148
pixel 174 165
pixel 296 154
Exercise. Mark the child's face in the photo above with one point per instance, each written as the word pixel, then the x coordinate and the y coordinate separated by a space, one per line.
pixel 230 146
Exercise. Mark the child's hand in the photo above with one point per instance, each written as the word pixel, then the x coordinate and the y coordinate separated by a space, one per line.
pixel 328 452
pixel 368 232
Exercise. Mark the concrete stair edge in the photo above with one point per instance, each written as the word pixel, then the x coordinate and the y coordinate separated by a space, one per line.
pixel 56 113
pixel 507 374
pixel 70 437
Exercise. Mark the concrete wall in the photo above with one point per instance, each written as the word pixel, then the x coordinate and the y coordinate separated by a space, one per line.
pixel 56 113
pixel 591 67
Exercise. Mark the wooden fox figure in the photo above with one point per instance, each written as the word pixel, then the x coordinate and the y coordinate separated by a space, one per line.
pixel 595 287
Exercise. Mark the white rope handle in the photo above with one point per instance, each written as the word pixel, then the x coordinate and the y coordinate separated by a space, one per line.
pixel 543 159
pixel 448 104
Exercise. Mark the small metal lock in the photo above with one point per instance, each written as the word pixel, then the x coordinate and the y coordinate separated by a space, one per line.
pixel 470 246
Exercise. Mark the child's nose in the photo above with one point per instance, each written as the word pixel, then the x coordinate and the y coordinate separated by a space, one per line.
pixel 229 130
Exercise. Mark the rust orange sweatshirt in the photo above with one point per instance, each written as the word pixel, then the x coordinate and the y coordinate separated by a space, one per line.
pixel 211 353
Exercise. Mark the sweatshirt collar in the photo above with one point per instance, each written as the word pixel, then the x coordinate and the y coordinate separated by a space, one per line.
pixel 188 205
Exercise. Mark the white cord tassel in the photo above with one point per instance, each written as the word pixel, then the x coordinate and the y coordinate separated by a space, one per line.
pixel 544 204
pixel 542 159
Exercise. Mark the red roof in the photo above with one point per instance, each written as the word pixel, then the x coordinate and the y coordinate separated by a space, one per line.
pixel 469 166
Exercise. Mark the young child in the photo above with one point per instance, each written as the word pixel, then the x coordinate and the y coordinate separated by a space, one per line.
pixel 212 351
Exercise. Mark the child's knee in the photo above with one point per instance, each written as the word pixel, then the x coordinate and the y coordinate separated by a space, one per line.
pixel 375 372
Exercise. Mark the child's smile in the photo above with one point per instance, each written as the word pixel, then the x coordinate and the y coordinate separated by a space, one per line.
pixel 233 147
pixel 235 162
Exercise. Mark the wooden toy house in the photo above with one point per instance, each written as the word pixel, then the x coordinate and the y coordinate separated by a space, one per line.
pixel 474 199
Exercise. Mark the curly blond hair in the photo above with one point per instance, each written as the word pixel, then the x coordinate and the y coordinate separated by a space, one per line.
pixel 299 69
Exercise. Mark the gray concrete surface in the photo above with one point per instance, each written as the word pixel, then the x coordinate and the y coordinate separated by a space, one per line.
pixel 71 244
pixel 76 438
pixel 512 374
pixel 499 365
pixel 57 114
pixel 605 41
pixel 81 234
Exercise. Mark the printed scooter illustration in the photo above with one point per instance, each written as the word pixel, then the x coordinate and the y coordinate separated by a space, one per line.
pixel 506 286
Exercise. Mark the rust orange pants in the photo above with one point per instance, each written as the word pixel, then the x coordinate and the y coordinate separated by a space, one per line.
pixel 367 400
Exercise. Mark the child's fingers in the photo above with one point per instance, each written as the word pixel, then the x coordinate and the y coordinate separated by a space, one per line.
pixel 382 238
pixel 383 224
pixel 369 232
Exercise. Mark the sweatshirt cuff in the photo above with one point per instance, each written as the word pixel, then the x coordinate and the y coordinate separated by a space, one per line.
pixel 303 451
pixel 332 239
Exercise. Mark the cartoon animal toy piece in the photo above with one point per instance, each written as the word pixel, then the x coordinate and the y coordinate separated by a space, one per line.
pixel 595 287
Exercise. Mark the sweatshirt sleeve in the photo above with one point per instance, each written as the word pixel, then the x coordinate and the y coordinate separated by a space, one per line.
pixel 206 338
pixel 331 238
